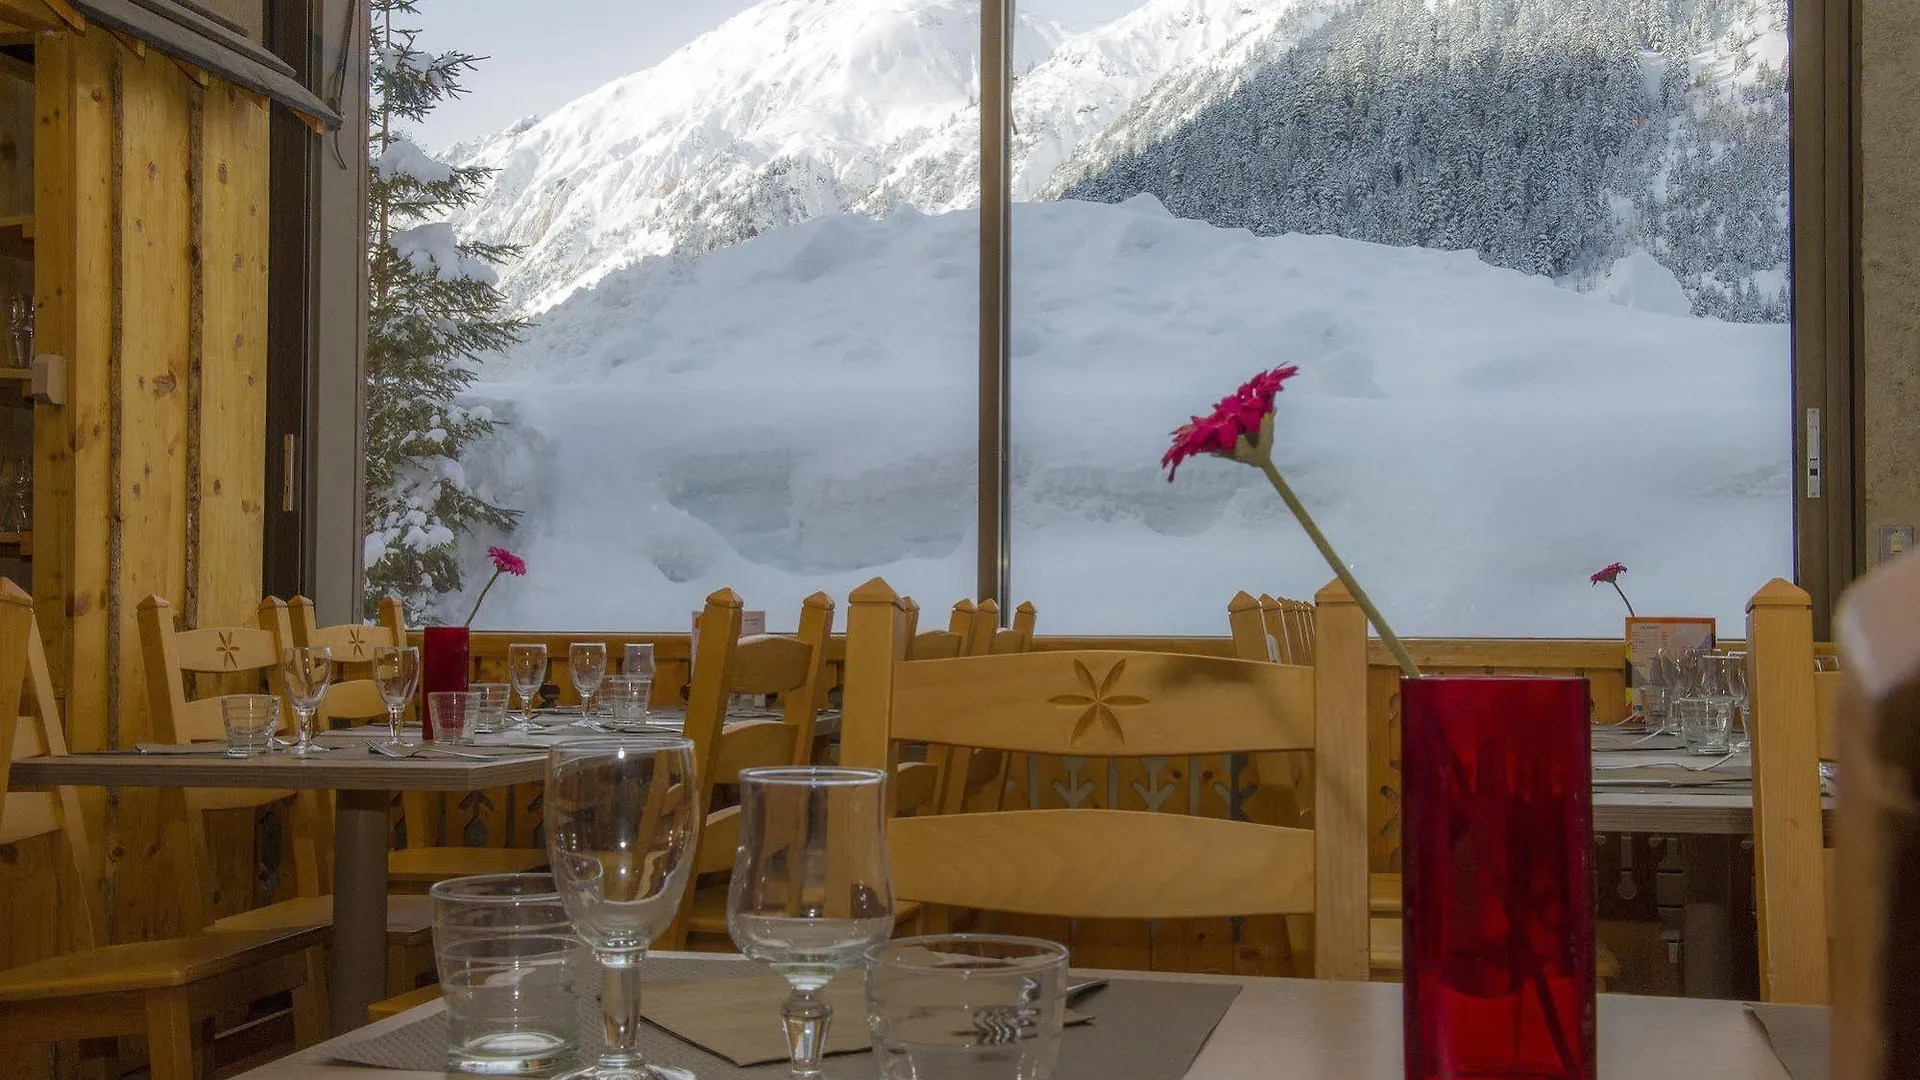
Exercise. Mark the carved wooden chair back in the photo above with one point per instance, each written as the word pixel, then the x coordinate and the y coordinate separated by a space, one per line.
pixel 352 697
pixel 1790 716
pixel 729 664
pixel 1119 863
pixel 35 731
pixel 231 659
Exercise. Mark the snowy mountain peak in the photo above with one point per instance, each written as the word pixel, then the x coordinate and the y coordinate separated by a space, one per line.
pixel 795 108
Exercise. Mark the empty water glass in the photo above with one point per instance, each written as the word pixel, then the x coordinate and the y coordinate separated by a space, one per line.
pixel 489 707
pixel 639 662
pixel 587 663
pixel 449 709
pixel 626 700
pixel 508 963
pixel 1707 716
pixel 811 891
pixel 966 1005
pixel 250 720
pixel 307 671
pixel 527 667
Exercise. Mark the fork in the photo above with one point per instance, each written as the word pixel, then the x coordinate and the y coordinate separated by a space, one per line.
pixel 404 752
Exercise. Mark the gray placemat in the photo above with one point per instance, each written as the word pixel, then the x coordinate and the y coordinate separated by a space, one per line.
pixel 1143 1029
pixel 1801 1037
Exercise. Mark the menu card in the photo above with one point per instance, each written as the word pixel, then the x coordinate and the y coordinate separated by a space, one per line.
pixel 1646 637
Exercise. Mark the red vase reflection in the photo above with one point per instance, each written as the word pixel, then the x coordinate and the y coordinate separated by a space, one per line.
pixel 443 666
pixel 1498 886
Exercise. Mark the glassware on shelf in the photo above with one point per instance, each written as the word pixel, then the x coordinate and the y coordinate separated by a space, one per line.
pixel 621 830
pixel 308 672
pixel 396 675
pixel 811 891
pixel 20 330
pixel 526 669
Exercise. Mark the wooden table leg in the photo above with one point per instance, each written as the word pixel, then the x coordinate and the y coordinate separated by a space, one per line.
pixel 1706 929
pixel 359 905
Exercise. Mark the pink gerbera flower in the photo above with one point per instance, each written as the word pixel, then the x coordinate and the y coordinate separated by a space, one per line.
pixel 1239 414
pixel 507 562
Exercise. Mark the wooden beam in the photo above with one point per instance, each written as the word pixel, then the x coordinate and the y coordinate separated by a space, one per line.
pixel 42 15
pixel 133 44
pixel 13 67
pixel 198 75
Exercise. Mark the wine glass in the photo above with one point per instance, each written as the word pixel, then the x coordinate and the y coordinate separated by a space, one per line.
pixel 396 675
pixel 587 661
pixel 526 669
pixel 1737 688
pixel 622 823
pixel 811 890
pixel 639 662
pixel 308 671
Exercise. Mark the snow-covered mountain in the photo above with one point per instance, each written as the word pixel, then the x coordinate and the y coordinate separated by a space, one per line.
pixel 796 108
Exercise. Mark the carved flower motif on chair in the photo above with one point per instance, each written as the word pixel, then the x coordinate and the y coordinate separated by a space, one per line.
pixel 356 642
pixel 1098 703
pixel 227 648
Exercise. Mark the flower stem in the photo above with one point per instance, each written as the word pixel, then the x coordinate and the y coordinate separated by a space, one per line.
pixel 1387 638
pixel 1623 599
pixel 482 596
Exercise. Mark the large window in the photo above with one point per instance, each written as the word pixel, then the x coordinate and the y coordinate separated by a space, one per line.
pixel 746 360
pixel 1532 257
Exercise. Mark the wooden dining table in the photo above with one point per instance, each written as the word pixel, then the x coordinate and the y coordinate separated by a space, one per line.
pixel 364 782
pixel 1305 1029
pixel 1702 801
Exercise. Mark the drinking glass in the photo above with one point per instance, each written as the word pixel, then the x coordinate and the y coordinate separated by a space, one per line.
pixel 639 662
pixel 1737 686
pixel 811 890
pixel 507 962
pixel 626 699
pixel 450 709
pixel 621 828
pixel 527 668
pixel 587 662
pixel 250 720
pixel 966 1005
pixel 308 671
pixel 1707 721
pixel 396 675
pixel 489 707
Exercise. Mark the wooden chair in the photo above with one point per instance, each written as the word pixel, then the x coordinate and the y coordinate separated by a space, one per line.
pixel 222 655
pixel 1790 716
pixel 976 779
pixel 1118 863
pixel 1283 630
pixel 729 664
pixel 166 991
pixel 1876 985
pixel 415 868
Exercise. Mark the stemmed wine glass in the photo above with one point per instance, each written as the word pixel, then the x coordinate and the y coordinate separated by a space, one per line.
pixel 622 823
pixel 1736 675
pixel 526 669
pixel 396 675
pixel 588 663
pixel 308 671
pixel 811 889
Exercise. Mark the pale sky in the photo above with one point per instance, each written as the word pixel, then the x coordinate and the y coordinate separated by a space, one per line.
pixel 545 54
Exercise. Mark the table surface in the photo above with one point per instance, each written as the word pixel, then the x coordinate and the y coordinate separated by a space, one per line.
pixel 1665 805
pixel 349 769
pixel 1302 1029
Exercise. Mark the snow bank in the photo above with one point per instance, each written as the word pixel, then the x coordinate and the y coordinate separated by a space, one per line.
pixel 797 412
pixel 1637 280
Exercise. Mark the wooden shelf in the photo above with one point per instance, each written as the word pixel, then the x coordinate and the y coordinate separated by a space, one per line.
pixel 20 544
pixel 16 236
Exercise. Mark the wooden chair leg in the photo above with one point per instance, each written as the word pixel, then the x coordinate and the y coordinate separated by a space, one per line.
pixel 174 1050
pixel 99 1060
pixel 406 964
pixel 310 1019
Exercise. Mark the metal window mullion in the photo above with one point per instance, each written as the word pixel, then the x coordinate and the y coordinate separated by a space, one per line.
pixel 996 124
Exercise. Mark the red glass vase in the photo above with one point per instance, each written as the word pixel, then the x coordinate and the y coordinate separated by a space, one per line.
pixel 1498 884
pixel 443 666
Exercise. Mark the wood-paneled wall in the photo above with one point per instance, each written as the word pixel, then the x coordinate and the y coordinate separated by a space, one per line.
pixel 150 277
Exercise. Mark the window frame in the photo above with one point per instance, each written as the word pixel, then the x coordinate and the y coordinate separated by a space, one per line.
pixel 325 366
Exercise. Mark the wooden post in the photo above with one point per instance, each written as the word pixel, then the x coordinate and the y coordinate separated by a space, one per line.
pixel 1340 786
pixel 1249 633
pixel 1789 867
pixel 876 640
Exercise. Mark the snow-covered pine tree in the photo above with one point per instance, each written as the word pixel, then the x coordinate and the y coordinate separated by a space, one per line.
pixel 434 311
